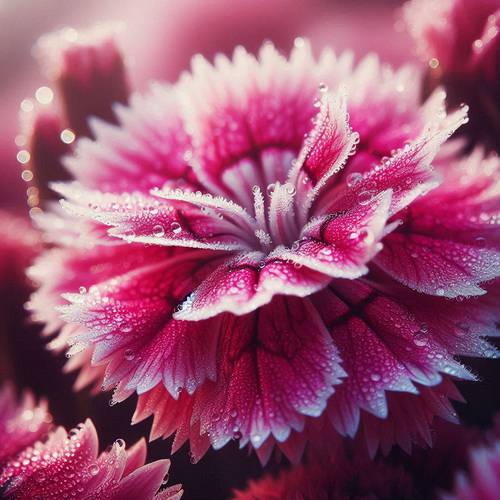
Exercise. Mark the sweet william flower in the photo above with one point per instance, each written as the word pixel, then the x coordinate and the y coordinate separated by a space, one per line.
pixel 63 465
pixel 278 248
pixel 460 40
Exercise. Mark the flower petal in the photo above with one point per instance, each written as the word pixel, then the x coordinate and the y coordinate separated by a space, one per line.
pixel 340 244
pixel 143 482
pixel 280 366
pixel 324 152
pixel 245 112
pixel 147 149
pixel 385 344
pixel 144 219
pixel 449 240
pixel 247 282
pixel 129 319
pixel 407 173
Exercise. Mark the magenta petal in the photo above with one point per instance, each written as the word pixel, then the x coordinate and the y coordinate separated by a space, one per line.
pixel 147 150
pixel 324 152
pixel 388 343
pixel 340 244
pixel 142 482
pixel 29 478
pixel 281 366
pixel 411 418
pixel 136 457
pixel 448 242
pixel 129 319
pixel 407 173
pixel 247 282
pixel 243 106
pixel 144 219
pixel 438 267
pixel 67 465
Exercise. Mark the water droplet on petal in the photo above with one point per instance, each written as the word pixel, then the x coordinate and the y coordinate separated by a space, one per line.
pixel 322 87
pixel 420 339
pixel 158 231
pixel 365 197
pixel 93 469
pixel 175 227
pixel 129 354
pixel 353 178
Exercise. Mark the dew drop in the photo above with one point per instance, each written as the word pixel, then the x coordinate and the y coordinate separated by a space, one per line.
pixel 420 339
pixel 120 442
pixel 129 354
pixel 365 197
pixel 353 178
pixel 158 231
pixel 175 227
pixel 93 469
pixel 82 290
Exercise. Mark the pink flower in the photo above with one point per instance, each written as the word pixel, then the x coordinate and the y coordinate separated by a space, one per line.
pixel 278 248
pixel 63 465
pixel 461 42
pixel 343 479
pixel 483 480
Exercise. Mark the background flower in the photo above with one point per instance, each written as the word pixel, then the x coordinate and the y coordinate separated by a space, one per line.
pixel 460 40
pixel 38 463
pixel 425 474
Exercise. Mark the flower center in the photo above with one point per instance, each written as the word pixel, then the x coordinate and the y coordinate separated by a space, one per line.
pixel 275 215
